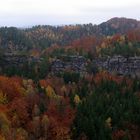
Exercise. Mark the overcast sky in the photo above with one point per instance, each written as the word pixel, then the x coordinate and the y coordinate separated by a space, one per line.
pixel 25 13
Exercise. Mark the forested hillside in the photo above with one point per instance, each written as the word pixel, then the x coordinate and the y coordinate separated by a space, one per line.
pixel 73 82
pixel 45 36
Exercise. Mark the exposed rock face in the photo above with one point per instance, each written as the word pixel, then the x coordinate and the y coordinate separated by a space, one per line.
pixel 125 66
pixel 121 65
pixel 11 59
pixel 69 63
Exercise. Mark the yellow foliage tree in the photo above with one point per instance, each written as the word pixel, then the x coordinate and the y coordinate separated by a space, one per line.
pixel 62 133
pixel 64 90
pixel 4 123
pixel 50 92
pixel 108 122
pixel 22 91
pixel 77 99
pixel 30 90
pixel 3 98
pixel 21 134
pixel 25 83
pixel 2 138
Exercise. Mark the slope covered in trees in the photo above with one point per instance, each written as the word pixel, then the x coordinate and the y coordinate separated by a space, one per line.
pixel 45 36
pixel 51 87
pixel 98 106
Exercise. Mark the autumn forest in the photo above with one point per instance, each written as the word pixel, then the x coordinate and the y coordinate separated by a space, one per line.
pixel 72 82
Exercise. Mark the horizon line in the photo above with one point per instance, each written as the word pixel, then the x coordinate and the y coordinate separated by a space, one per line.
pixel 69 24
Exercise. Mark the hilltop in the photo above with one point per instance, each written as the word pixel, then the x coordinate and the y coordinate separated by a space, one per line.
pixel 44 36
